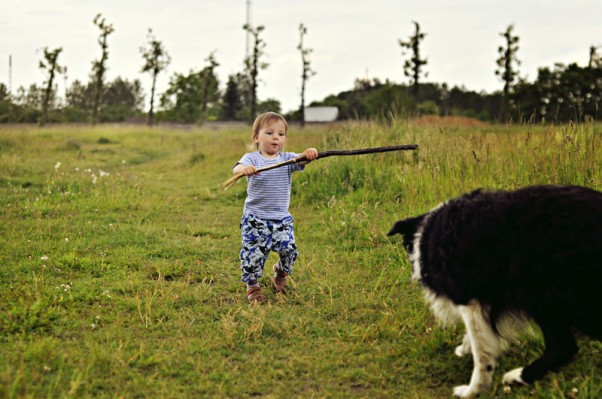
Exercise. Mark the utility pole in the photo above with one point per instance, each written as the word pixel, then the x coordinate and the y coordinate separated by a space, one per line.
pixel 10 74
pixel 248 24
pixel 10 86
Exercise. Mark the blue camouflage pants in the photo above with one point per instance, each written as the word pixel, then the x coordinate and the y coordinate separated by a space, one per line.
pixel 259 237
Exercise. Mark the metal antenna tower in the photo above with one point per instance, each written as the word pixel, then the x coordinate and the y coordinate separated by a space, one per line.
pixel 10 74
pixel 249 25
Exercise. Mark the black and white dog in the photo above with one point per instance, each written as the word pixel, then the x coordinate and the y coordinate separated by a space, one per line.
pixel 494 258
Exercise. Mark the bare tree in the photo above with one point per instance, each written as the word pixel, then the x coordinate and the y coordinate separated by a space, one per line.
pixel 208 78
pixel 595 59
pixel 508 64
pixel 413 67
pixel 307 71
pixel 253 63
pixel 50 64
pixel 99 66
pixel 156 60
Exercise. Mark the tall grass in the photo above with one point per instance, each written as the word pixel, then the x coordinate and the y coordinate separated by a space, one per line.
pixel 119 268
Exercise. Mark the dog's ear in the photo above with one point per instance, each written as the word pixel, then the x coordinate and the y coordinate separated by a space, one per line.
pixel 406 226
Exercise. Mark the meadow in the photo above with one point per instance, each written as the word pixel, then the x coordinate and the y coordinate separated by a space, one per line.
pixel 119 271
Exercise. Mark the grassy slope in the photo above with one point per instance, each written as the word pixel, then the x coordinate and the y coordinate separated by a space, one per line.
pixel 127 284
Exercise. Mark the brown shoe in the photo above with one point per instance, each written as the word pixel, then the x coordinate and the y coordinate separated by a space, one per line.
pixel 279 284
pixel 254 295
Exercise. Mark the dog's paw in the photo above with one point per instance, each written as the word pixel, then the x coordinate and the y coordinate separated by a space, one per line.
pixel 514 377
pixel 465 391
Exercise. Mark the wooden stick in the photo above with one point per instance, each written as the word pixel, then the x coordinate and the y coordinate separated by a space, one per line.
pixel 228 183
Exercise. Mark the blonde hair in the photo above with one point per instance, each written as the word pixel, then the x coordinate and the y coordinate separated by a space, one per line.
pixel 264 119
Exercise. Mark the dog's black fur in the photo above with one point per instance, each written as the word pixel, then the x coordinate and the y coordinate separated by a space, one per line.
pixel 534 253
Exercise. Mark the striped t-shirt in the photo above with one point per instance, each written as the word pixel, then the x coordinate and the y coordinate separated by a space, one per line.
pixel 269 192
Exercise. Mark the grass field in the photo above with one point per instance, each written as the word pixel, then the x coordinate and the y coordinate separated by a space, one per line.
pixel 119 273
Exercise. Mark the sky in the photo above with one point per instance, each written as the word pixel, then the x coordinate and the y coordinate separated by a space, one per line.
pixel 349 39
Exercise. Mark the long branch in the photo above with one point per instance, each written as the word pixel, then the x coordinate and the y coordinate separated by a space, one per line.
pixel 324 154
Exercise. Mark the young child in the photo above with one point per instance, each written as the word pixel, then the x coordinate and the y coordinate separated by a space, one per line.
pixel 266 223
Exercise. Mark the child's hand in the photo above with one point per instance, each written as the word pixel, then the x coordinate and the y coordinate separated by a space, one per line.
pixel 248 170
pixel 310 154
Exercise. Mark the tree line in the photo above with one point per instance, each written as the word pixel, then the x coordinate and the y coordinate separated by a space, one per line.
pixel 558 94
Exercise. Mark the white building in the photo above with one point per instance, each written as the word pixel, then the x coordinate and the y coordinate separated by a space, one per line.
pixel 321 114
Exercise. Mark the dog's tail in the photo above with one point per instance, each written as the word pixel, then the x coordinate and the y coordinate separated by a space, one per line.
pixel 406 226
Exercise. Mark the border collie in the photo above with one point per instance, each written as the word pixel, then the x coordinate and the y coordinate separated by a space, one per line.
pixel 493 258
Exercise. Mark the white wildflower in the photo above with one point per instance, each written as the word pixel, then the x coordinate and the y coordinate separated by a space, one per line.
pixel 57 166
pixel 44 258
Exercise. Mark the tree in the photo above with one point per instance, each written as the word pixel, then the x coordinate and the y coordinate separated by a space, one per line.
pixel 209 80
pixel 508 64
pixel 185 92
pixel 562 94
pixel 182 98
pixel 50 64
pixel 99 66
pixel 595 59
pixel 156 60
pixel 78 101
pixel 232 100
pixel 122 99
pixel 271 104
pixel 5 104
pixel 253 64
pixel 306 72
pixel 413 67
pixel 29 103
pixel 124 93
pixel 80 95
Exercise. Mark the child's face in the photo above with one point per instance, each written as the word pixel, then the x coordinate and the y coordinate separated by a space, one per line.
pixel 271 138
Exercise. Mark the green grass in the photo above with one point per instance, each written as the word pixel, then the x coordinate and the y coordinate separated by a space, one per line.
pixel 119 272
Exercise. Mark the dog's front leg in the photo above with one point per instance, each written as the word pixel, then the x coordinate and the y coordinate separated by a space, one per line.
pixel 485 346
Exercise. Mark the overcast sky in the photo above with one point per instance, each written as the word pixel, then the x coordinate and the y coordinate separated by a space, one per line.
pixel 349 39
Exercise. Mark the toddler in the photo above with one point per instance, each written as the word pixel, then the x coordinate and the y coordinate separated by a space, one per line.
pixel 266 223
